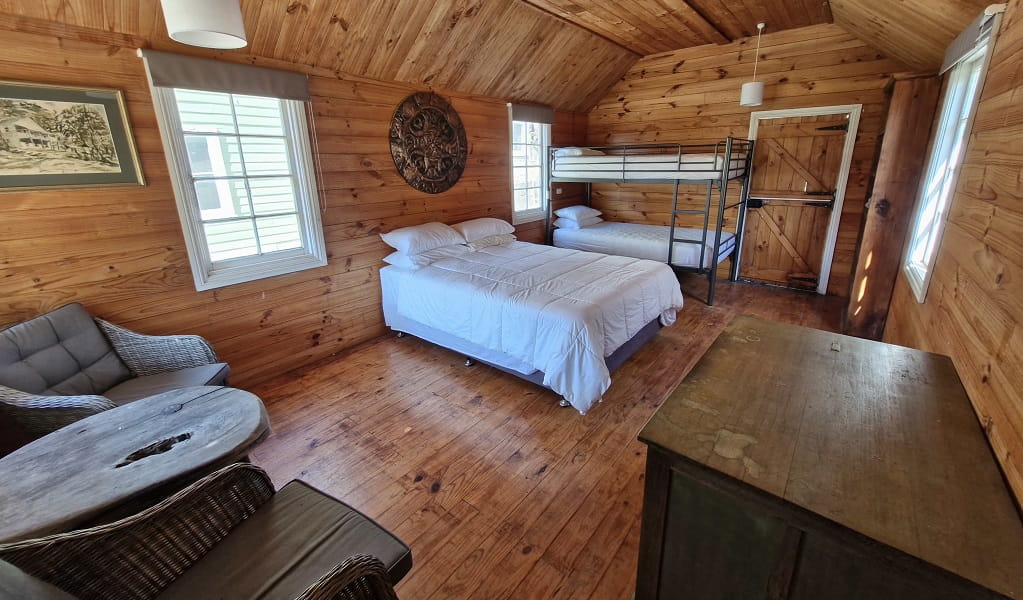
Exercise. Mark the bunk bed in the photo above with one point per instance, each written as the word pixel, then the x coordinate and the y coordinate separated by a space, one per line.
pixel 697 250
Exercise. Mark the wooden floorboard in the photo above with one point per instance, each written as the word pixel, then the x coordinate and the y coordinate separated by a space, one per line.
pixel 500 492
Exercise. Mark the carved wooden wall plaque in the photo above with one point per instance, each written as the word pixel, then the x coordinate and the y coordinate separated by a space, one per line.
pixel 428 142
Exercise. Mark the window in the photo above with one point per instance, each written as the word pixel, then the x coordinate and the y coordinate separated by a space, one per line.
pixel 529 170
pixel 962 92
pixel 243 178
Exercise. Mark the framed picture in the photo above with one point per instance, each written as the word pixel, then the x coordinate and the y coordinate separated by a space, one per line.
pixel 59 136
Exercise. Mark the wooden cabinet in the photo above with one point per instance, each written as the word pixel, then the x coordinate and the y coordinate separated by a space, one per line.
pixel 799 464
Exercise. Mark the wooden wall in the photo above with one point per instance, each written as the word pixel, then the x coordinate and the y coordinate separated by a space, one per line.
pixel 692 96
pixel 974 307
pixel 121 252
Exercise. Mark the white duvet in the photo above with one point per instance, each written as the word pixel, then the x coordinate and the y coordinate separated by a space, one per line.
pixel 561 311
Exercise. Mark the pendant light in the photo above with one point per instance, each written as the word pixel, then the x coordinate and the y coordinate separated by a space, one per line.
pixel 205 23
pixel 753 91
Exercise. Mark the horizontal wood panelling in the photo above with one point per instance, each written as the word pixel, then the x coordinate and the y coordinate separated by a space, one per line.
pixel 692 96
pixel 496 48
pixel 974 307
pixel 121 252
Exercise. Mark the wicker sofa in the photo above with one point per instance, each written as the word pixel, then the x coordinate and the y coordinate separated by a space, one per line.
pixel 228 535
pixel 66 365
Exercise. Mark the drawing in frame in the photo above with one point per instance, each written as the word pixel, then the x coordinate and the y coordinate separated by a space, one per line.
pixel 54 136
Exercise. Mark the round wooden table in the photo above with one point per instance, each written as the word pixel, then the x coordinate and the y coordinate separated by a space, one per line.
pixel 140 451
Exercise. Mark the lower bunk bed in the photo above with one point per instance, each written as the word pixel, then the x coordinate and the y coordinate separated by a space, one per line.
pixel 564 319
pixel 647 241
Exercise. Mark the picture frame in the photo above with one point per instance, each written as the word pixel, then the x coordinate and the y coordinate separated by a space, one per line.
pixel 56 136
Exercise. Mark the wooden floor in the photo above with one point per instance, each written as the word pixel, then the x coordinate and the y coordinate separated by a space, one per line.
pixel 500 493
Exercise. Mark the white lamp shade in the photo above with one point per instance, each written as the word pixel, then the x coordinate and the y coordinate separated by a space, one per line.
pixel 752 94
pixel 206 23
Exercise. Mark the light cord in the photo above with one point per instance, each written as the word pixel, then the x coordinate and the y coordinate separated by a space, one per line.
pixel 756 57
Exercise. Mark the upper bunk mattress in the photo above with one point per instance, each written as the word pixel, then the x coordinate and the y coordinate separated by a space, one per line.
pixel 691 167
pixel 645 241
pixel 560 311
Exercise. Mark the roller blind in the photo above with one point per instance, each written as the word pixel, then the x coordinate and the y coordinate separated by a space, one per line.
pixel 532 113
pixel 977 31
pixel 188 72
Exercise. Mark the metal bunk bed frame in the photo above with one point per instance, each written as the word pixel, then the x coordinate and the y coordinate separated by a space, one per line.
pixel 717 178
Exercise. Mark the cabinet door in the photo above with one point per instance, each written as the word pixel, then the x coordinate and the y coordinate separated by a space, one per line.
pixel 720 547
pixel 828 570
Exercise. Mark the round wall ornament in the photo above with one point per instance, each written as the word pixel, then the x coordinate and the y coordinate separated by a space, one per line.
pixel 428 142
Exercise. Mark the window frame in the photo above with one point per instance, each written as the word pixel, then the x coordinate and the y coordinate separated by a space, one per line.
pixel 533 214
pixel 976 62
pixel 210 274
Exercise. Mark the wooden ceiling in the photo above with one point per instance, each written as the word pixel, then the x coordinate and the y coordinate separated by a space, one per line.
pixel 497 48
pixel 563 53
pixel 914 32
pixel 653 26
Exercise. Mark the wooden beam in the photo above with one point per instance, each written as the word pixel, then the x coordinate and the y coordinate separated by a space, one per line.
pixel 777 148
pixel 707 27
pixel 890 209
pixel 555 15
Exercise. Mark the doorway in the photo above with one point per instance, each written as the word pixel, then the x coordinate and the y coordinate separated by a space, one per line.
pixel 797 187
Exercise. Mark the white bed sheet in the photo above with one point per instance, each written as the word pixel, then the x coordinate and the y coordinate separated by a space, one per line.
pixel 646 166
pixel 556 310
pixel 645 241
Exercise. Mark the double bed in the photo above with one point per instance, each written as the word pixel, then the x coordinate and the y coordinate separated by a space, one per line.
pixel 561 318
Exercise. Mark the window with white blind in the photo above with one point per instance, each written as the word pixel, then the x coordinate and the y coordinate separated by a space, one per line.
pixel 243 178
pixel 962 93
pixel 529 170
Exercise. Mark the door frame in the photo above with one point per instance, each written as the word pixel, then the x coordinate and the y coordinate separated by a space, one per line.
pixel 854 110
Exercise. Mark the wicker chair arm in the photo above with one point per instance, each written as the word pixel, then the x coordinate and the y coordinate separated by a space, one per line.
pixel 152 354
pixel 42 414
pixel 358 577
pixel 139 556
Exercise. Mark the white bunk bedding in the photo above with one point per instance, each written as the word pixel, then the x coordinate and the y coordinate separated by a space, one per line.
pixel 532 307
pixel 645 241
pixel 688 167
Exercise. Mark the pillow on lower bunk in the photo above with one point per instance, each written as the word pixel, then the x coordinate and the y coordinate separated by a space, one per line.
pixel 420 238
pixel 577 212
pixel 492 240
pixel 418 261
pixel 577 152
pixel 573 224
pixel 477 229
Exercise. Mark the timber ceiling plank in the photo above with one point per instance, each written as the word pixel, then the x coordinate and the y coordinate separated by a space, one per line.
pixel 498 48
pixel 914 32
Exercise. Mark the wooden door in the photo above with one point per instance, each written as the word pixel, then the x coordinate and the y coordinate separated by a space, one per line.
pixel 792 191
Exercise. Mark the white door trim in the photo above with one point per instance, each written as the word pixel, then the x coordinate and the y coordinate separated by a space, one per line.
pixel 854 111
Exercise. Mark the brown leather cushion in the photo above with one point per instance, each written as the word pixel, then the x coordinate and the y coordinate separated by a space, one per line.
pixel 151 385
pixel 287 545
pixel 15 583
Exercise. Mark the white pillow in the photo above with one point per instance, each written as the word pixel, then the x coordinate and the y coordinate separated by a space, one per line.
pixel 577 212
pixel 492 240
pixel 418 261
pixel 477 229
pixel 577 152
pixel 573 224
pixel 420 238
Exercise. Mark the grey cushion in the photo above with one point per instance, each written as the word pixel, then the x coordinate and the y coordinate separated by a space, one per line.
pixel 60 353
pixel 150 385
pixel 287 545
pixel 15 583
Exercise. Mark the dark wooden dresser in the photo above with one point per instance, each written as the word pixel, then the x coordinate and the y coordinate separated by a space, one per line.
pixel 795 463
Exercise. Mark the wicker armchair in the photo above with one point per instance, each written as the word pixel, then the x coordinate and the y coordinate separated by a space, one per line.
pixel 66 365
pixel 146 556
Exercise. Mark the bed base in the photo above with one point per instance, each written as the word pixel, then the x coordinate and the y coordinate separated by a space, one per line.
pixel 716 179
pixel 613 362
